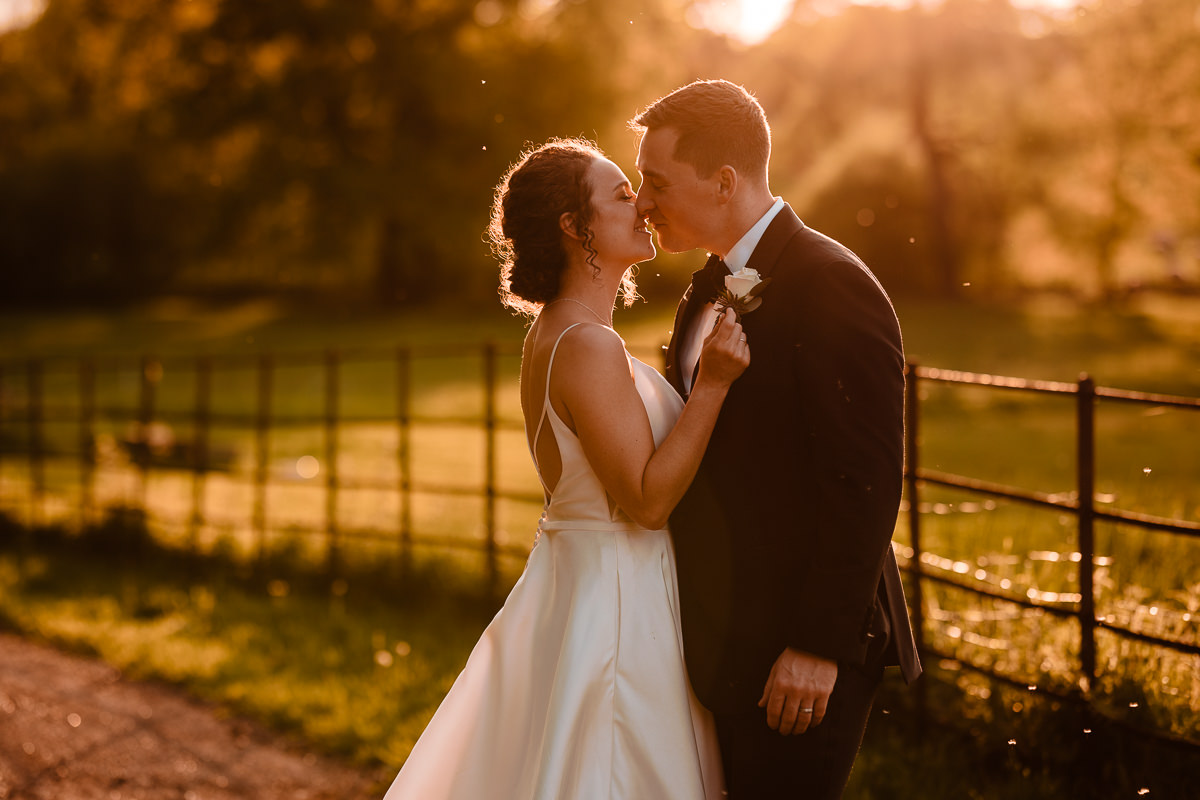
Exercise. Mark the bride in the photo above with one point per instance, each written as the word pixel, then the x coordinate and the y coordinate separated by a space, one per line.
pixel 577 689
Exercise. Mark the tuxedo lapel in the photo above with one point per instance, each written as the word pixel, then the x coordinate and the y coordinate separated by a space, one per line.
pixel 693 300
pixel 775 238
pixel 785 225
pixel 671 359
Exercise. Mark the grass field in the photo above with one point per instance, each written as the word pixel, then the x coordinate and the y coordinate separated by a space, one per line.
pixel 232 639
pixel 356 666
pixel 1152 342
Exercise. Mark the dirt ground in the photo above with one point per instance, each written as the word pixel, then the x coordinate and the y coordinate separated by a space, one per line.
pixel 71 728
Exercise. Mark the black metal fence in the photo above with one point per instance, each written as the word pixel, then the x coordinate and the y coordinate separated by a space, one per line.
pixel 1082 504
pixel 147 434
pixel 132 412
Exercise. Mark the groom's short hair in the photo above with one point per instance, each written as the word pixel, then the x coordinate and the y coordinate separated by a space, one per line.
pixel 718 123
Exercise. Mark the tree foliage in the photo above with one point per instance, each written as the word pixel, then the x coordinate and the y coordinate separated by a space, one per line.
pixel 349 148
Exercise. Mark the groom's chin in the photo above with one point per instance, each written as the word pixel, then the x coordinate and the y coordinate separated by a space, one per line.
pixel 666 246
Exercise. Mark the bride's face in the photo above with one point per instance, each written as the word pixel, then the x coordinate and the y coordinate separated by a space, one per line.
pixel 620 235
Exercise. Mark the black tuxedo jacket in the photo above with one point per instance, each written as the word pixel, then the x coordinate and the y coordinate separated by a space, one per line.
pixel 784 537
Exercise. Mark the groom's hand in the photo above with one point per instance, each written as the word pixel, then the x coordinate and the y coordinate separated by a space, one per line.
pixel 797 691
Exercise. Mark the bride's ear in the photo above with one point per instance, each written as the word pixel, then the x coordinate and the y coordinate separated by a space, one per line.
pixel 566 222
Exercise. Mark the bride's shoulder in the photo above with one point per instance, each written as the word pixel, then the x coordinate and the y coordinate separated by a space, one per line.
pixel 591 340
pixel 580 341
pixel 591 361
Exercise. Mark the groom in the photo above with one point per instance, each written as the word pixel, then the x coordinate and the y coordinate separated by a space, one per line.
pixel 790 595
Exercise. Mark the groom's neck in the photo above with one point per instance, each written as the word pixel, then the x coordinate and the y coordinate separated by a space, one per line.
pixel 744 212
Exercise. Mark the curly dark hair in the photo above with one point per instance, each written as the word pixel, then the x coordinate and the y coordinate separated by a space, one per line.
pixel 547 181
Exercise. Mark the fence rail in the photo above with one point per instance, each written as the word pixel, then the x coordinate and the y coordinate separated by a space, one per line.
pixel 1082 504
pixel 26 415
pixel 25 412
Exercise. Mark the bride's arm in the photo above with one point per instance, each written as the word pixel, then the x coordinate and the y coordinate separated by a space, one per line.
pixel 606 412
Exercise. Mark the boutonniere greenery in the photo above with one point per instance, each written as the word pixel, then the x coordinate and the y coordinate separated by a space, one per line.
pixel 742 292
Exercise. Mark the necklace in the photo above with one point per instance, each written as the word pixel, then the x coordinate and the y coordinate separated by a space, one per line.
pixel 585 305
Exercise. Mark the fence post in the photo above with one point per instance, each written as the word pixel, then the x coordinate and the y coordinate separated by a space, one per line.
pixel 151 374
pixel 331 451
pixel 33 417
pixel 3 419
pixel 404 467
pixel 87 441
pixel 262 444
pixel 911 464
pixel 489 422
pixel 1086 477
pixel 200 423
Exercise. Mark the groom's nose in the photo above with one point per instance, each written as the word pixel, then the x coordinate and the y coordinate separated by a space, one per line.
pixel 643 203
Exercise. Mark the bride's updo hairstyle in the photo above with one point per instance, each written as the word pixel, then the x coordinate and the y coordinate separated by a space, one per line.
pixel 547 181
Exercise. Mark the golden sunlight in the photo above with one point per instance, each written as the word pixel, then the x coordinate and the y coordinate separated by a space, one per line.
pixel 19 13
pixel 750 21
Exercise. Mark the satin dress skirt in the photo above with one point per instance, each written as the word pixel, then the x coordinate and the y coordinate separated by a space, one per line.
pixel 577 688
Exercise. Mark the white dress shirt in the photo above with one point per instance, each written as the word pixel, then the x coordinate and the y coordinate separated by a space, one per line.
pixel 701 325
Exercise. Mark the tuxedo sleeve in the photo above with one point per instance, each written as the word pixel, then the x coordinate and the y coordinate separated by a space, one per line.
pixel 849 363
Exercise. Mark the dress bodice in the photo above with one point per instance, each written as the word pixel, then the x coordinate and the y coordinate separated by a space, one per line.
pixel 579 499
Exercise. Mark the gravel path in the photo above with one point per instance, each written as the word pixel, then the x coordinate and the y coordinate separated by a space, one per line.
pixel 71 728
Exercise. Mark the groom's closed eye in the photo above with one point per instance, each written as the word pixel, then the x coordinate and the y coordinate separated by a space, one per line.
pixel 656 181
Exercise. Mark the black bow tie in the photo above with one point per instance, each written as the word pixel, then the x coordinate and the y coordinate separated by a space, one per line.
pixel 710 279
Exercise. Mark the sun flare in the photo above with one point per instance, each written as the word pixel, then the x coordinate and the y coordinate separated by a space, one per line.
pixel 750 21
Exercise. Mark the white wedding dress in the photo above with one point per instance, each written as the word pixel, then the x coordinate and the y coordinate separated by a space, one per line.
pixel 577 689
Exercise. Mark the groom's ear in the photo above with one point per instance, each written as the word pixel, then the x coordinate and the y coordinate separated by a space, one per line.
pixel 566 221
pixel 727 183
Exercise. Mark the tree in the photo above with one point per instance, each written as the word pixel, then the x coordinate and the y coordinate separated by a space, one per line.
pixel 1111 141
pixel 354 144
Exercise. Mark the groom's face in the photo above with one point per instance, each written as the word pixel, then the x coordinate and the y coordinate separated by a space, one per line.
pixel 679 204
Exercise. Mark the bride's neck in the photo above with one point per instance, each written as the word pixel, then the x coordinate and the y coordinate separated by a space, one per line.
pixel 598 291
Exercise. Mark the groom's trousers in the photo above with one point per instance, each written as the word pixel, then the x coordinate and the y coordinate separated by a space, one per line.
pixel 762 764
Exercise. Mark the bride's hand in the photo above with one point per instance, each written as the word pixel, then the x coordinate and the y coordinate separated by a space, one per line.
pixel 725 355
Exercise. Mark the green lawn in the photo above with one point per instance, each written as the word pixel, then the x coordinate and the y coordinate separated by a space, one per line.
pixel 1152 343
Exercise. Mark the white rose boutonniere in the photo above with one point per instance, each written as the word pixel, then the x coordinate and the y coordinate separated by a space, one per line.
pixel 742 292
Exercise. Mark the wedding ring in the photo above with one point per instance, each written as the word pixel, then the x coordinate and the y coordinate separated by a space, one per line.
pixel 743 338
pixel 806 711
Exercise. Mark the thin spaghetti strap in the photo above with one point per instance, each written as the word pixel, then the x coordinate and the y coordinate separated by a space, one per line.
pixel 550 363
pixel 546 399
pixel 532 443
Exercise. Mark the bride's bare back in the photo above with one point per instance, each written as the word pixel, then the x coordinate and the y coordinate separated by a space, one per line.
pixel 592 391
pixel 535 364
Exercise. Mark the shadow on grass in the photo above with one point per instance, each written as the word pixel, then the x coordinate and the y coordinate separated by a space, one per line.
pixel 1012 745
